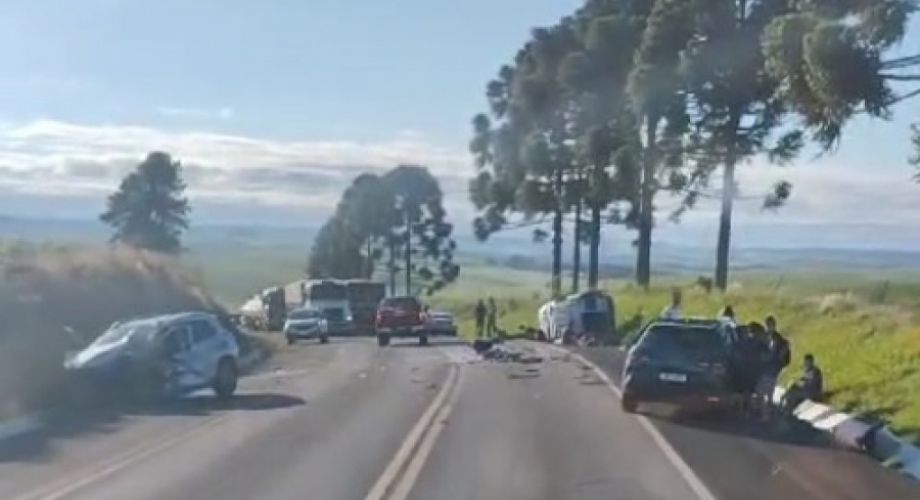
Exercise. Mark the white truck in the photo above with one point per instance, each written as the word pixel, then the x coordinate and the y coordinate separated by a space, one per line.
pixel 330 298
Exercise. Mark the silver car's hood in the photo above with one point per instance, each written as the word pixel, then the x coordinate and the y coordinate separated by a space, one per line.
pixel 97 354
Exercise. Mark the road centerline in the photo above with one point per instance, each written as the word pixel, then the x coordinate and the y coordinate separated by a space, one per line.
pixel 391 477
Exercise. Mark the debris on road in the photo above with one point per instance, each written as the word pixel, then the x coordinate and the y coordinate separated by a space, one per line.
pixel 506 353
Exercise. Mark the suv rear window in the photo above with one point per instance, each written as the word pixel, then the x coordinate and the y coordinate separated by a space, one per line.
pixel 683 338
pixel 410 303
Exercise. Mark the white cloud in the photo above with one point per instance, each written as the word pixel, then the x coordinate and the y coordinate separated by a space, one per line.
pixel 49 158
pixel 90 159
pixel 223 113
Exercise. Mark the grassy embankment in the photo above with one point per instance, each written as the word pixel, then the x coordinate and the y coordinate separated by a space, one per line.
pixel 55 299
pixel 863 329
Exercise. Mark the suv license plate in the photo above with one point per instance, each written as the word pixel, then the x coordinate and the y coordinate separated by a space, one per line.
pixel 673 377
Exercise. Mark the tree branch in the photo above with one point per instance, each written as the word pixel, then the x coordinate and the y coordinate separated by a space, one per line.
pixel 901 78
pixel 902 62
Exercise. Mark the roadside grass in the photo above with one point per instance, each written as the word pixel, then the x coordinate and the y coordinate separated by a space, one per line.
pixel 864 332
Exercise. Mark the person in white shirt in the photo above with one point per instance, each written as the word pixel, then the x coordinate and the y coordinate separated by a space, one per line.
pixel 674 311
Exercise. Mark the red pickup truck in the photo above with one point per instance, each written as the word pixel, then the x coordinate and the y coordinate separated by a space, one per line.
pixel 401 316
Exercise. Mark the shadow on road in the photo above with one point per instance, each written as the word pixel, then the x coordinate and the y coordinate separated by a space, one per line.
pixel 40 445
pixel 205 405
pixel 783 431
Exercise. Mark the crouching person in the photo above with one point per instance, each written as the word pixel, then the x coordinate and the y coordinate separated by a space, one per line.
pixel 809 386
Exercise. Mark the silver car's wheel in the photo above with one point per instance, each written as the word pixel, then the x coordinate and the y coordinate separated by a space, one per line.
pixel 226 379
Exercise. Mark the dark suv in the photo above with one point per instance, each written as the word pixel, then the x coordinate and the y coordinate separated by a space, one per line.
pixel 401 316
pixel 682 362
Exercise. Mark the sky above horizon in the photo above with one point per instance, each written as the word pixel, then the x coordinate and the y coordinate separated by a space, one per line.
pixel 274 106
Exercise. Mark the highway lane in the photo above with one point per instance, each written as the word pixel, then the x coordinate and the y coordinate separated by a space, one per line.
pixel 751 460
pixel 544 431
pixel 350 420
pixel 325 421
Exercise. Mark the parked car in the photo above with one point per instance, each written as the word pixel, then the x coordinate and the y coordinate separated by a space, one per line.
pixel 682 362
pixel 306 323
pixel 167 355
pixel 441 323
pixel 401 316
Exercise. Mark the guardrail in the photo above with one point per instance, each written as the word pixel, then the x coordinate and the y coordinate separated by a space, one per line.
pixel 849 431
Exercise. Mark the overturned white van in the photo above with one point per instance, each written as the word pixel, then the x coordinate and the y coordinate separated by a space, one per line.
pixel 586 314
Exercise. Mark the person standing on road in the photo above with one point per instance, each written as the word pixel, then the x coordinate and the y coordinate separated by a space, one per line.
pixel 777 357
pixel 480 314
pixel 674 311
pixel 491 313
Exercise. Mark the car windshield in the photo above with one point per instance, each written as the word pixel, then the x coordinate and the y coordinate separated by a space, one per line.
pixel 305 314
pixel 135 331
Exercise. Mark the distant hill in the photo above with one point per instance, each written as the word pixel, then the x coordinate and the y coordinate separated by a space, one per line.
pixel 513 250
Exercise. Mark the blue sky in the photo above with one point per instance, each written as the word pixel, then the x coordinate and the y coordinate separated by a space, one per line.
pixel 313 92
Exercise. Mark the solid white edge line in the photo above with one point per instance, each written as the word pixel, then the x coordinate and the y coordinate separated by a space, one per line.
pixel 390 475
pixel 693 481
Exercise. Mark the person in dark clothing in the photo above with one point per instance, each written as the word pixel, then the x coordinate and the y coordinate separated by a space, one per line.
pixel 491 313
pixel 727 314
pixel 776 357
pixel 809 386
pixel 748 358
pixel 480 313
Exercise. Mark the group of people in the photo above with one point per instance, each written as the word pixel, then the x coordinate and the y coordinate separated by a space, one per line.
pixel 486 318
pixel 759 355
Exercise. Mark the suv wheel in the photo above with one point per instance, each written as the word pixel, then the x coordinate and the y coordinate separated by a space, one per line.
pixel 226 379
pixel 628 403
pixel 383 340
pixel 423 339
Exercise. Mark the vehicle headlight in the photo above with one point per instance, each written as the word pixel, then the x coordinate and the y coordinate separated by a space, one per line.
pixel 349 318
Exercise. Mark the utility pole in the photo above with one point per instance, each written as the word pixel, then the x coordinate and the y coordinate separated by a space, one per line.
pixel 408 251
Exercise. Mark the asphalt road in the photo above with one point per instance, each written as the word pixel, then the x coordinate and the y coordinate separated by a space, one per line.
pixel 349 420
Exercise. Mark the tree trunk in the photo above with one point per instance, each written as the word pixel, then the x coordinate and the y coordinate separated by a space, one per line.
pixel 408 259
pixel 593 263
pixel 646 195
pixel 576 251
pixel 556 284
pixel 728 199
pixel 369 264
